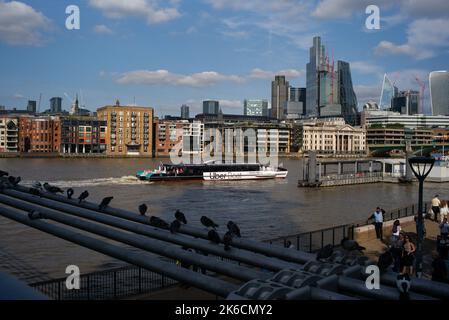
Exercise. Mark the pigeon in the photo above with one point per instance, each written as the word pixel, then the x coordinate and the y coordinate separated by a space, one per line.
pixel 35 192
pixel 227 240
pixel 35 215
pixel 233 228
pixel 143 209
pixel 208 222
pixel 325 252
pixel 83 196
pixel 52 189
pixel 385 260
pixel 14 180
pixel 213 236
pixel 403 283
pixel 3 173
pixel 70 193
pixel 159 223
pixel 104 203
pixel 180 217
pixel 175 226
pixel 351 245
pixel 37 185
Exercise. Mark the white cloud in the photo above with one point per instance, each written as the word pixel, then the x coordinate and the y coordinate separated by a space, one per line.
pixel 267 75
pixel 428 8
pixel 365 67
pixel 236 34
pixel 231 104
pixel 424 38
pixel 164 77
pixel 147 9
pixel 102 29
pixel 20 24
pixel 366 93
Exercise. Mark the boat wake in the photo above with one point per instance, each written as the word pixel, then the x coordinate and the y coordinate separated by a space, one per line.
pixel 125 180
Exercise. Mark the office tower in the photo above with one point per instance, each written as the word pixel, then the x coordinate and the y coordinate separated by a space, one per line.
pixel 295 106
pixel 399 104
pixel 56 105
pixel 389 91
pixel 408 102
pixel 211 107
pixel 130 129
pixel 315 65
pixel 279 96
pixel 348 99
pixel 185 111
pixel 255 108
pixel 439 92
pixel 31 107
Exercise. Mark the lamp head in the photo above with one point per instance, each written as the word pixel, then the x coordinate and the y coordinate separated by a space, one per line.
pixel 421 166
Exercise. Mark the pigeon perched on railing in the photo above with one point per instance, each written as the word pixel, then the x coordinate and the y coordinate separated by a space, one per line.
pixel 52 189
pixel 104 203
pixel 159 223
pixel 70 193
pixel 143 209
pixel 208 222
pixel 83 196
pixel 227 240
pixel 3 173
pixel 233 228
pixel 175 226
pixel 35 215
pixel 325 252
pixel 14 180
pixel 213 236
pixel 403 283
pixel 180 217
pixel 351 245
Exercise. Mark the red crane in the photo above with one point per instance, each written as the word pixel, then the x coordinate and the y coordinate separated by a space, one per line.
pixel 422 85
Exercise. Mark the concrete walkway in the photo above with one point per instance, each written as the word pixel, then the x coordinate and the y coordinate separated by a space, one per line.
pixel 375 247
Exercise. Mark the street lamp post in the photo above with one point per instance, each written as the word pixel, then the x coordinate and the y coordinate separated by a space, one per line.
pixel 421 167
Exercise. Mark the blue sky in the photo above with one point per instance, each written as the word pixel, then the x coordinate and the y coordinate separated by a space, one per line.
pixel 166 53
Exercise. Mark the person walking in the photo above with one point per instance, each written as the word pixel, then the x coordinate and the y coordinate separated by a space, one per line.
pixel 396 251
pixel 408 255
pixel 436 203
pixel 444 210
pixel 395 231
pixel 444 229
pixel 378 222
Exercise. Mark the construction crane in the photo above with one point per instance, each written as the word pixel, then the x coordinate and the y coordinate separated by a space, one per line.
pixel 422 86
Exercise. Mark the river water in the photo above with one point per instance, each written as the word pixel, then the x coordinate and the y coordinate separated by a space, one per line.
pixel 263 209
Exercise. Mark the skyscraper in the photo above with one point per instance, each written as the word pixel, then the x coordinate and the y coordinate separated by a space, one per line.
pixel 315 65
pixel 295 106
pixel 279 96
pixel 31 107
pixel 389 91
pixel 255 108
pixel 211 107
pixel 348 99
pixel 185 111
pixel 409 104
pixel 55 105
pixel 439 92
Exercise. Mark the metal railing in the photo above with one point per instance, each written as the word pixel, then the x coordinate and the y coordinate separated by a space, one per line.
pixel 346 176
pixel 315 240
pixel 107 285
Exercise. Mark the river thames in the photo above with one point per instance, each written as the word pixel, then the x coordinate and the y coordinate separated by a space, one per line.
pixel 263 209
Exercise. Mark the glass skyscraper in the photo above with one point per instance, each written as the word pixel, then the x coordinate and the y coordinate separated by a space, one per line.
pixel 315 65
pixel 211 107
pixel 389 91
pixel 439 92
pixel 348 99
pixel 56 105
pixel 255 108
pixel 185 111
pixel 279 96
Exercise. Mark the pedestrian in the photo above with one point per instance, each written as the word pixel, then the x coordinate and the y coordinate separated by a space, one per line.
pixel 436 203
pixel 444 210
pixel 408 255
pixel 444 229
pixel 378 222
pixel 439 269
pixel 396 251
pixel 395 231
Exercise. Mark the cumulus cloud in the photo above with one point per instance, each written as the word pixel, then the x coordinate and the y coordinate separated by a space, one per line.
pixel 164 77
pixel 266 75
pixel 147 9
pixel 102 29
pixel 231 104
pixel 20 24
pixel 365 67
pixel 424 37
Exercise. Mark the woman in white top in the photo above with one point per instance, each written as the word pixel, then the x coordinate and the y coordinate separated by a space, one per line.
pixel 444 210
pixel 395 231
